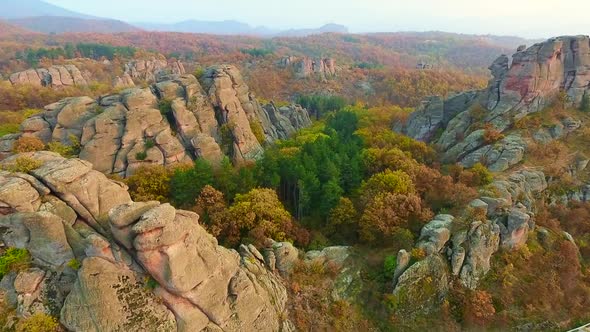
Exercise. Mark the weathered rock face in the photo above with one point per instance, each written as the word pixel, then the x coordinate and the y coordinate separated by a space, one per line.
pixel 119 133
pixel 426 280
pixel 234 106
pixel 54 76
pixel 435 234
pixel 65 210
pixel 482 241
pixel 124 81
pixel 151 70
pixel 527 85
pixel 323 68
pixel 282 122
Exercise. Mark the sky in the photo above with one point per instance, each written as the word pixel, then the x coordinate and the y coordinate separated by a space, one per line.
pixel 526 18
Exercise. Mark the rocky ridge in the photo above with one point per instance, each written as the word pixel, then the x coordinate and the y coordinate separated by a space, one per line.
pixel 54 76
pixel 172 121
pixel 527 85
pixel 64 211
pixel 503 217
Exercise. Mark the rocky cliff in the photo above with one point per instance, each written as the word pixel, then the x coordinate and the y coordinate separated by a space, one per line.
pixel 137 266
pixel 153 69
pixel 463 125
pixel 490 127
pixel 54 76
pixel 170 122
pixel 324 68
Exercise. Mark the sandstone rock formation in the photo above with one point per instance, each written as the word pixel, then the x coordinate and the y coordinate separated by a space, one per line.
pixel 153 69
pixel 525 86
pixel 119 133
pixel 64 211
pixel 54 76
pixel 507 207
pixel 324 68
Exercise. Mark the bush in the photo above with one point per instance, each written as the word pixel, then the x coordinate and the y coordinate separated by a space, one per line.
pixel 585 104
pixel 491 135
pixel 150 183
pixel 165 106
pixel 389 266
pixel 39 322
pixel 151 283
pixel 9 128
pixel 28 144
pixel 149 143
pixel 479 308
pixel 141 155
pixel 74 264
pixel 64 150
pixel 23 165
pixel 199 72
pixel 14 259
pixel 482 175
pixel 257 130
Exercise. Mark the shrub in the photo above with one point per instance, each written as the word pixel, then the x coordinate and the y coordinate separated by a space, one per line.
pixel 585 104
pixel 74 264
pixel 64 150
pixel 39 322
pixel 257 130
pixel 141 155
pixel 28 144
pixel 389 266
pixel 199 72
pixel 418 254
pixel 165 106
pixel 14 259
pixel 149 143
pixel 23 165
pixel 481 175
pixel 479 308
pixel 9 128
pixel 149 183
pixel 151 283
pixel 491 135
pixel 477 113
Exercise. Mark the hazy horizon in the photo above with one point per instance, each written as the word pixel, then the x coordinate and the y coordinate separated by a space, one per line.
pixel 526 18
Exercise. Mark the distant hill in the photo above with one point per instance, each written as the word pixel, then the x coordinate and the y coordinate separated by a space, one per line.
pixel 207 27
pixel 237 28
pixel 11 9
pixel 328 28
pixel 9 30
pixel 59 24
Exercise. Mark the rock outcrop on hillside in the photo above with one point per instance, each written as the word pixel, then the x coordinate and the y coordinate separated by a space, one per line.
pixel 527 85
pixel 152 70
pixel 504 221
pixel 54 76
pixel 324 68
pixel 144 266
pixel 170 122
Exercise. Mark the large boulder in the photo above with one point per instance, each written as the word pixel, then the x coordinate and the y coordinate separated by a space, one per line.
pixel 481 242
pixel 54 76
pixel 421 289
pixel 109 297
pixel 435 234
